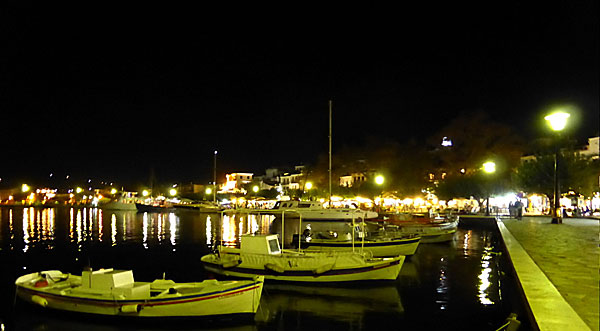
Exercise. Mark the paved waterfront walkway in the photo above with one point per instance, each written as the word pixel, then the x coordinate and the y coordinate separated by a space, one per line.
pixel 563 257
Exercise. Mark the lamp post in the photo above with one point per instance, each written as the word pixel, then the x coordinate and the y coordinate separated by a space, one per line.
pixel 489 167
pixel 215 178
pixel 379 180
pixel 557 122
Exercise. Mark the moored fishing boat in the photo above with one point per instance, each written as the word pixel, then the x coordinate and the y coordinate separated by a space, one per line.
pixel 314 211
pixel 432 229
pixel 379 246
pixel 114 292
pixel 262 255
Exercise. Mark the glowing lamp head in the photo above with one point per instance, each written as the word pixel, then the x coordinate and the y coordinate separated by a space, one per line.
pixel 25 188
pixel 309 185
pixel 379 180
pixel 208 190
pixel 145 193
pixel 79 190
pixel 489 167
pixel 255 189
pixel 172 192
pixel 558 120
pixel 113 191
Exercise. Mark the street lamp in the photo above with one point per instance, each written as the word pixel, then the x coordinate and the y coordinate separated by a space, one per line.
pixel 557 122
pixel 215 179
pixel 379 181
pixel 489 167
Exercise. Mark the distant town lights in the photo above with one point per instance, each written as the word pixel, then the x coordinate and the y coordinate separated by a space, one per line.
pixel 446 142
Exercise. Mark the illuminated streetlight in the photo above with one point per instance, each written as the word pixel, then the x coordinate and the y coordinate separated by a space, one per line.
pixel 145 193
pixel 173 192
pixel 255 189
pixel 557 122
pixel 308 185
pixel 113 191
pixel 25 188
pixel 208 190
pixel 489 167
pixel 79 190
pixel 379 180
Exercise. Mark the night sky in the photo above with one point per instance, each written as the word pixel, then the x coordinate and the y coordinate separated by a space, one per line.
pixel 109 92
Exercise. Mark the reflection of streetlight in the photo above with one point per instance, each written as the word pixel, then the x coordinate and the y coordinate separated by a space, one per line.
pixel 489 167
pixel 557 122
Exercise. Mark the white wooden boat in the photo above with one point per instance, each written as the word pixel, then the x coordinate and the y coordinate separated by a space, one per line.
pixel 379 246
pixel 114 292
pixel 314 210
pixel 118 205
pixel 338 236
pixel 262 255
pixel 432 229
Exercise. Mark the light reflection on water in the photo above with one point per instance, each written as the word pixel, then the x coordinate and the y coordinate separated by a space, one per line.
pixel 442 278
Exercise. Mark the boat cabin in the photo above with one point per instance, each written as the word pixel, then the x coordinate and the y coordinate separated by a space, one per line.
pixel 294 204
pixel 260 244
pixel 117 282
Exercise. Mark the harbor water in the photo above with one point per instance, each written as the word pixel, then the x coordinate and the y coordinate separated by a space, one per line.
pixel 464 284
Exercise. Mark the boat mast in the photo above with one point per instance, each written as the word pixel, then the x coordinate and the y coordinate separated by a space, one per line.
pixel 330 116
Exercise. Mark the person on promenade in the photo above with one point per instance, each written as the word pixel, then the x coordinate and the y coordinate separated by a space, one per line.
pixel 518 210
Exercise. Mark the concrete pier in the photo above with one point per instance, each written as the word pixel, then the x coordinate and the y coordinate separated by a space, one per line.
pixel 558 267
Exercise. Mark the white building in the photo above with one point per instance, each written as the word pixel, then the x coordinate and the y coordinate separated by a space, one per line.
pixel 235 181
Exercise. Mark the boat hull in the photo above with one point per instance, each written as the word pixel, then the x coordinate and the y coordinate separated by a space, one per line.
pixel 379 248
pixel 223 298
pixel 304 268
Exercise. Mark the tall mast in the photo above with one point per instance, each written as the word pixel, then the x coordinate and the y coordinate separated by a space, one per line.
pixel 330 137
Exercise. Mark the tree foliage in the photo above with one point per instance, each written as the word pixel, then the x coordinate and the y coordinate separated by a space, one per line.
pixel 574 171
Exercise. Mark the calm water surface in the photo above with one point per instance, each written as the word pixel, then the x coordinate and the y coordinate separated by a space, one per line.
pixel 464 284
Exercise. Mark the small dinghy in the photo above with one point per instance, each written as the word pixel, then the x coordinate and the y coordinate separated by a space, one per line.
pixel 114 292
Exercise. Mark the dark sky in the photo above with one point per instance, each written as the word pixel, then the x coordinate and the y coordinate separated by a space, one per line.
pixel 109 92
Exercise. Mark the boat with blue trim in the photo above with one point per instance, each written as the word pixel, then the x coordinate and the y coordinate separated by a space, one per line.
pixel 114 292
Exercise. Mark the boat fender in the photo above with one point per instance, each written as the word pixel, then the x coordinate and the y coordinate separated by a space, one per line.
pixel 323 268
pixel 39 300
pixel 41 283
pixel 232 264
pixel 128 309
pixel 274 267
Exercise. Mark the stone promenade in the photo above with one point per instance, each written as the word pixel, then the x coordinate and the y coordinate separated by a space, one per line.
pixel 568 255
